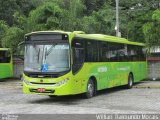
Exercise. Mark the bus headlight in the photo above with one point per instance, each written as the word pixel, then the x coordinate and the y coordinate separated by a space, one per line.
pixel 62 82
pixel 25 81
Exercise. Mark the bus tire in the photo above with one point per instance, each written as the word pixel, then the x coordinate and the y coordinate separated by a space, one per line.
pixel 91 89
pixel 130 81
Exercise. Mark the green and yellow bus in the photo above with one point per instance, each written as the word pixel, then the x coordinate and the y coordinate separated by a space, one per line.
pixel 6 64
pixel 60 63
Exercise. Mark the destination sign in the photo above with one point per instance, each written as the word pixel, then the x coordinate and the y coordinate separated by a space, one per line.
pixel 46 37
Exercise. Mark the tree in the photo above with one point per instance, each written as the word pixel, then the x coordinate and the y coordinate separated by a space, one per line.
pixel 72 16
pixel 94 5
pixel 25 6
pixel 12 38
pixel 133 15
pixel 91 16
pixel 100 22
pixel 151 30
pixel 9 7
pixel 3 28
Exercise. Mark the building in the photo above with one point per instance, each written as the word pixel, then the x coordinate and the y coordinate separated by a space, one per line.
pixel 154 64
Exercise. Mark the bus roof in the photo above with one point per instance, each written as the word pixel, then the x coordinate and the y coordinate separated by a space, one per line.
pixel 100 37
pixel 4 49
pixel 108 38
pixel 45 32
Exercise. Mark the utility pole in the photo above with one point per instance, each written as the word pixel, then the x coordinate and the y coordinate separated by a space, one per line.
pixel 118 34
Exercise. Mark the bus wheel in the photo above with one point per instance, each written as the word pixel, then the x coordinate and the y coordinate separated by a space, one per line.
pixel 90 92
pixel 130 81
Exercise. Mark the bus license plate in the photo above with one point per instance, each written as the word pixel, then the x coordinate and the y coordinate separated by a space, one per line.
pixel 41 89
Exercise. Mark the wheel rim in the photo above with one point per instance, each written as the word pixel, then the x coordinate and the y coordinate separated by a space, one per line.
pixel 90 89
pixel 130 81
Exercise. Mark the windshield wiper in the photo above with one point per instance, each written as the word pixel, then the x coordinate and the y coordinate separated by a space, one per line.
pixel 50 50
pixel 38 55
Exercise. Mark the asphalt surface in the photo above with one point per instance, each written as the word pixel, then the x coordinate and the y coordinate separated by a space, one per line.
pixel 144 97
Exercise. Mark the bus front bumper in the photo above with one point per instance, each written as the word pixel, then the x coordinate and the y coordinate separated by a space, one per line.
pixel 64 89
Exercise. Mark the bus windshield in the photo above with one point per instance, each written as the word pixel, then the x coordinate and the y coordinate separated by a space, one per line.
pixel 5 56
pixel 56 56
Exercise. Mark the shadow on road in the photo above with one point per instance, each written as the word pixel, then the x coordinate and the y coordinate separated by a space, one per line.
pixel 75 99
pixel 8 80
pixel 63 100
pixel 111 90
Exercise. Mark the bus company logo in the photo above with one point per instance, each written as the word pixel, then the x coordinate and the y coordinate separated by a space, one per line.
pixel 102 69
pixel 123 68
pixel 41 81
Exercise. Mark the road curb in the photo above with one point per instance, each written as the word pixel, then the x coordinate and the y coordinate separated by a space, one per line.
pixel 150 87
pixel 147 84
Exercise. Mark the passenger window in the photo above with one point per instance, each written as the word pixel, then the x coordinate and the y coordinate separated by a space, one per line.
pixel 104 54
pixel 117 52
pixel 136 53
pixel 92 51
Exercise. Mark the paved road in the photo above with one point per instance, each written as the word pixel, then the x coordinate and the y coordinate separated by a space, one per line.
pixel 139 99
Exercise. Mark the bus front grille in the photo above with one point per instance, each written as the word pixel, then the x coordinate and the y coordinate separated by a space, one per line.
pixel 46 91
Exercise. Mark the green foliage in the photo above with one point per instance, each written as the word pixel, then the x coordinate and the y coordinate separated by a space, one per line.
pixel 151 30
pixel 91 23
pixel 3 28
pixel 139 20
pixel 93 5
pixel 25 6
pixel 45 17
pixel 72 15
pixel 9 7
pixel 12 37
pixel 19 19
pixel 156 15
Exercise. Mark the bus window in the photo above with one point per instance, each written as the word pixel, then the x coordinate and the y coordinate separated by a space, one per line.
pixel 104 54
pixel 140 53
pixel 135 53
pixel 92 51
pixel 5 56
pixel 117 52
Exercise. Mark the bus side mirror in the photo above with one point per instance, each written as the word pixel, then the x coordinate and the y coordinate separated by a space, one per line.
pixel 20 51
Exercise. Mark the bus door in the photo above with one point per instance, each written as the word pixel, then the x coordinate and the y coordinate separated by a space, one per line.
pixel 77 66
